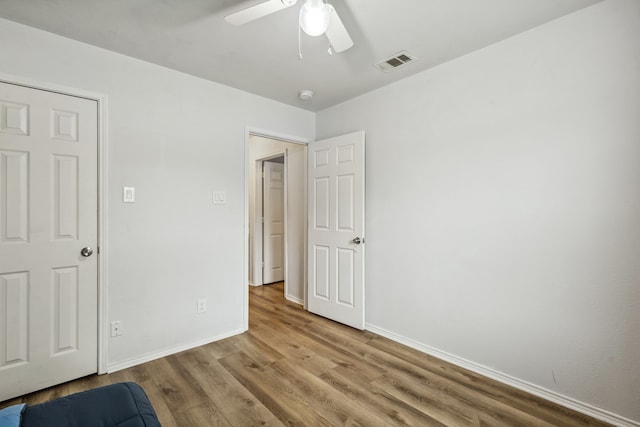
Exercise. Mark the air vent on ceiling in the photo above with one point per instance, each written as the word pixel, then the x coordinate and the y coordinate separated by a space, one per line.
pixel 397 60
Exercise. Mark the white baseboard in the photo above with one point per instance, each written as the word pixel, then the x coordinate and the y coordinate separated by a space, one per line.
pixel 294 299
pixel 168 351
pixel 542 392
pixel 254 285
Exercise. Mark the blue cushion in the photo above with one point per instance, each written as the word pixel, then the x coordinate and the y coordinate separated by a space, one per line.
pixel 116 405
pixel 10 417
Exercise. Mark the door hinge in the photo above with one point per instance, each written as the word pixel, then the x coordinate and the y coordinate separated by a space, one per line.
pixel 262 219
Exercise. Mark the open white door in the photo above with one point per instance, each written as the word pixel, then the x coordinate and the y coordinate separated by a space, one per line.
pixel 336 229
pixel 273 211
pixel 48 233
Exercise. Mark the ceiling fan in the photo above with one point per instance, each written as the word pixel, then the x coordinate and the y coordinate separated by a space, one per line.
pixel 316 18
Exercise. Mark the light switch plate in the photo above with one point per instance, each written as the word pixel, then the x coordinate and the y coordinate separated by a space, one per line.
pixel 219 197
pixel 128 194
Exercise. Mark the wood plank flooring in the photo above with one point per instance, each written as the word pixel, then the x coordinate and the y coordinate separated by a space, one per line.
pixel 295 368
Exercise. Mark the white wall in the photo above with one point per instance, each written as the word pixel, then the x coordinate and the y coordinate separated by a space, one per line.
pixel 503 206
pixel 176 138
pixel 503 199
pixel 260 147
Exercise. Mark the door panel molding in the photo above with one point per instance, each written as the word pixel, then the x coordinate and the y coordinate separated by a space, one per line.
pixel 274 222
pixel 103 144
pixel 258 279
pixel 336 228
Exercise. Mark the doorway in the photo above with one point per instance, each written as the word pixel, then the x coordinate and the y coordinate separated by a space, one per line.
pixel 263 149
pixel 334 210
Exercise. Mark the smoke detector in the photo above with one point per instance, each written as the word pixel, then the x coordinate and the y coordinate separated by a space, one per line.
pixel 305 94
pixel 396 61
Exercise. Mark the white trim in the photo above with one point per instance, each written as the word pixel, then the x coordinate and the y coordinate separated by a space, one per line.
pixel 50 87
pixel 552 396
pixel 101 99
pixel 103 233
pixel 255 249
pixel 275 135
pixel 245 261
pixel 294 300
pixel 305 277
pixel 248 131
pixel 169 351
pixel 285 233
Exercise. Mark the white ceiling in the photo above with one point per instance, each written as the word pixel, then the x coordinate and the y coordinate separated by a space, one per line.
pixel 262 57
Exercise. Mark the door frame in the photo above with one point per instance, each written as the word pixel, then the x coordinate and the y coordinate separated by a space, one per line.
pixel 258 226
pixel 102 192
pixel 248 132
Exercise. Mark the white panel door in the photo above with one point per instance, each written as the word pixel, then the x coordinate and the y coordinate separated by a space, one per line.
pixel 48 214
pixel 336 229
pixel 273 214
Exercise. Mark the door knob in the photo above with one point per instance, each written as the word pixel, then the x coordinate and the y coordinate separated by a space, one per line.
pixel 356 241
pixel 86 251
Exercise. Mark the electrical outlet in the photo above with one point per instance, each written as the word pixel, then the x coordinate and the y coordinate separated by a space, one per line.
pixel 219 197
pixel 116 328
pixel 202 305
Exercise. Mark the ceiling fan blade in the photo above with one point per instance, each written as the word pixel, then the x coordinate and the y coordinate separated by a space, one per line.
pixel 258 11
pixel 337 33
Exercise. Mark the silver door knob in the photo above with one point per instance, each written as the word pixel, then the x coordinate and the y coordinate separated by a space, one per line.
pixel 86 251
pixel 356 241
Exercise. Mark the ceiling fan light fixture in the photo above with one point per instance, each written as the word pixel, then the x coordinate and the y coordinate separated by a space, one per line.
pixel 314 17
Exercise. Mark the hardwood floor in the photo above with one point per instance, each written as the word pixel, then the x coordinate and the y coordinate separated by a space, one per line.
pixel 295 368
